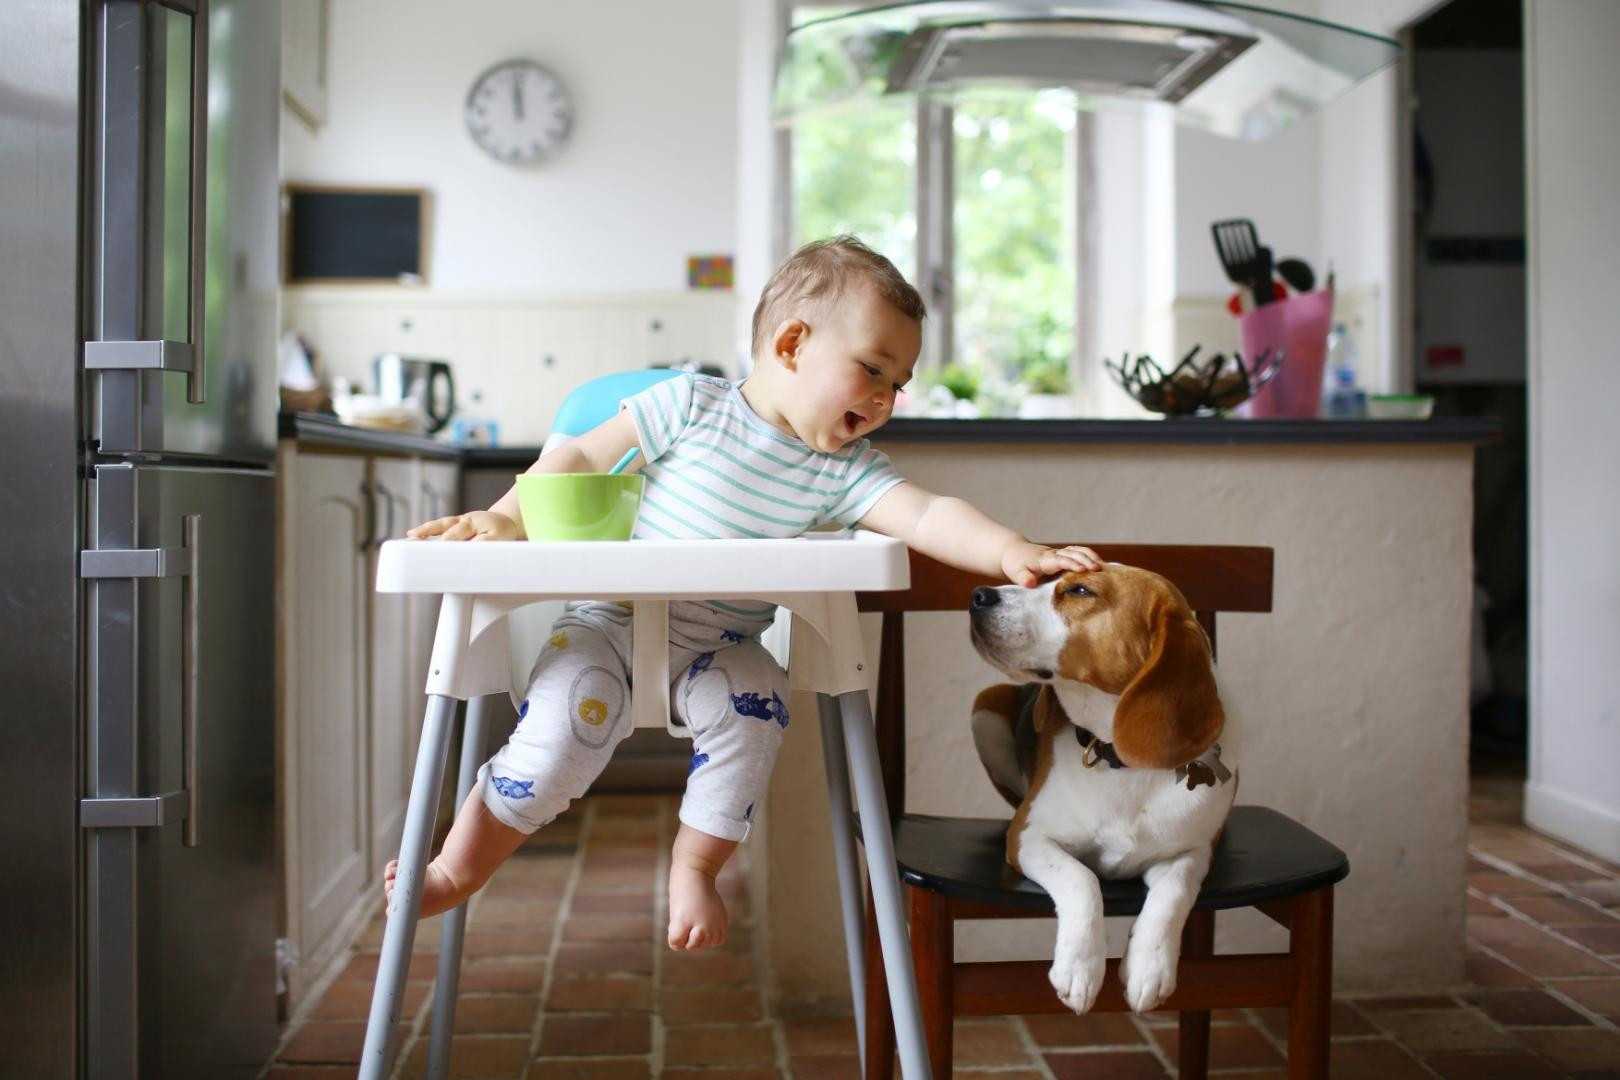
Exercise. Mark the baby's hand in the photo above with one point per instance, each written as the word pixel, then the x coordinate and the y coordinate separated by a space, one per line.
pixel 473 525
pixel 1026 563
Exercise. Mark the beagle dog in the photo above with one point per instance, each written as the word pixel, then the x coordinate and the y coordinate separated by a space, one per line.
pixel 1108 751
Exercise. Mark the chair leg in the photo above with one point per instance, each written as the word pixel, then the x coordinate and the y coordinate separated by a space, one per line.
pixel 1310 940
pixel 879 1064
pixel 1197 943
pixel 933 950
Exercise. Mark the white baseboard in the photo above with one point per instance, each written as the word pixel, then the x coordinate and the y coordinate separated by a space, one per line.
pixel 1592 828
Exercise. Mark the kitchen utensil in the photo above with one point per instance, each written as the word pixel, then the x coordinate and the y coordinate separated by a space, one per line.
pixel 579 506
pixel 1192 387
pixel 1242 257
pixel 425 385
pixel 624 462
pixel 1264 282
pixel 1298 274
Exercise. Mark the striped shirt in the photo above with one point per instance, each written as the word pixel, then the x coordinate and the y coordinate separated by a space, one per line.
pixel 715 469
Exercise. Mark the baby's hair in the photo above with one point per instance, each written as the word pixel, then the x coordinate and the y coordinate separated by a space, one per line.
pixel 820 272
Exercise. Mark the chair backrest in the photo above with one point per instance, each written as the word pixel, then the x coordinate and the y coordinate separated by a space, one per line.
pixel 1213 577
pixel 594 403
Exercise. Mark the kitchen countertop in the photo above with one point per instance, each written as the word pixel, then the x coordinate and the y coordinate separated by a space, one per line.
pixel 326 431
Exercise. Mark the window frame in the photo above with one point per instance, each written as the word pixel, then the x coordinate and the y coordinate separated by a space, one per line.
pixel 934 198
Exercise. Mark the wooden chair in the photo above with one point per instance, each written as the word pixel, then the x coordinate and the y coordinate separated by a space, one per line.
pixel 955 868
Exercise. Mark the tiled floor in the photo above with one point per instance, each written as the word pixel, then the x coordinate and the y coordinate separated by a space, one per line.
pixel 565 977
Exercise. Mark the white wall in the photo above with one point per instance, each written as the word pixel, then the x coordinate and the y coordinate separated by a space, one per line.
pixel 1573 256
pixel 649 175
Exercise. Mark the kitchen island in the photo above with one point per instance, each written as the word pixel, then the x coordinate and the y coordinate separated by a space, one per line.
pixel 1347 705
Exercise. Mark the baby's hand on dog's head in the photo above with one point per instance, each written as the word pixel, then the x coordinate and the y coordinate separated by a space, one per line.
pixel 1025 563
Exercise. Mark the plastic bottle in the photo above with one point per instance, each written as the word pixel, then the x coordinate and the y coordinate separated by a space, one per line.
pixel 1341 398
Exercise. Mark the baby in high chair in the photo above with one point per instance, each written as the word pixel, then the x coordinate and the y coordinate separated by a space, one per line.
pixel 836 334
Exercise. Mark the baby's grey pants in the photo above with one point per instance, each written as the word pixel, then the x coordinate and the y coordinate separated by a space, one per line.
pixel 726 693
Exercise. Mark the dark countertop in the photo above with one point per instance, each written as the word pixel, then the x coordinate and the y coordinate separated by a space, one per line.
pixel 326 431
pixel 323 430
pixel 1477 431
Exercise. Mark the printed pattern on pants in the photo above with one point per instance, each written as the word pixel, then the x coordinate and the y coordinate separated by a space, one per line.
pixel 726 693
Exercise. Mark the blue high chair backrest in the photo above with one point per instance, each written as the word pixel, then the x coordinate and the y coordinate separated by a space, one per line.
pixel 597 401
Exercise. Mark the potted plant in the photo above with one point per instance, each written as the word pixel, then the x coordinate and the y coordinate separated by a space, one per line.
pixel 1048 391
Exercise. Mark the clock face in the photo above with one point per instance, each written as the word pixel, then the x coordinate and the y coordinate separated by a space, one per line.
pixel 519 113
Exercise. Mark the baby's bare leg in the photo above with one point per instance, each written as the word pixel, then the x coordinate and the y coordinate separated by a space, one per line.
pixel 697 915
pixel 477 844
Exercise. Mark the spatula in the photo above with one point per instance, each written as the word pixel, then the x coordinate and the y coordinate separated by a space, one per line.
pixel 1242 257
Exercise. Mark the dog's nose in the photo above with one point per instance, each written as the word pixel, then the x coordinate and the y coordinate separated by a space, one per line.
pixel 984 597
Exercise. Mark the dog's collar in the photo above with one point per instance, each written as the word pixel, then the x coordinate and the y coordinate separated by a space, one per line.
pixel 1206 768
pixel 1095 750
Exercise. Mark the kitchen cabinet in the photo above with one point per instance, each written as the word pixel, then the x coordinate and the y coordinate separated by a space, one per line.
pixel 303 59
pixel 325 525
pixel 351 671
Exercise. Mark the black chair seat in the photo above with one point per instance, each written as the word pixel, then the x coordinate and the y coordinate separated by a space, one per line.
pixel 1262 855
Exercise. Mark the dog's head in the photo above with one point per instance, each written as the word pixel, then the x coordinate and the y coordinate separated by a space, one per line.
pixel 1123 630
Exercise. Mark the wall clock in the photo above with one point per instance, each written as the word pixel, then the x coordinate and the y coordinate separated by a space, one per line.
pixel 519 113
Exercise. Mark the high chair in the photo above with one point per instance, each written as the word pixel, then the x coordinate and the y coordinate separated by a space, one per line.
pixel 814 577
pixel 955 868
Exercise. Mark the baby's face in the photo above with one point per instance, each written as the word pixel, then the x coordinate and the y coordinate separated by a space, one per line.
pixel 857 357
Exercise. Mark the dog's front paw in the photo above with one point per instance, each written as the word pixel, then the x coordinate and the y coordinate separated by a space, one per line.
pixel 1077 974
pixel 1148 971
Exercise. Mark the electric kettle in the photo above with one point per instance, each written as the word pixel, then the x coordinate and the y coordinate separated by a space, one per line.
pixel 425 385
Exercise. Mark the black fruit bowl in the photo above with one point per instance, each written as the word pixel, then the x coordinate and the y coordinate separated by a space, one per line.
pixel 1194 388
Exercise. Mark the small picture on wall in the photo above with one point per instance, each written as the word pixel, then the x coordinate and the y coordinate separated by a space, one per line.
pixel 708 271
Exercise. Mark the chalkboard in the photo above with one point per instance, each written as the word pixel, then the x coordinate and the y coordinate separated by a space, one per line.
pixel 354 235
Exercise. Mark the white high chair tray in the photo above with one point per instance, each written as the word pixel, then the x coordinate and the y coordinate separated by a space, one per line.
pixel 664 569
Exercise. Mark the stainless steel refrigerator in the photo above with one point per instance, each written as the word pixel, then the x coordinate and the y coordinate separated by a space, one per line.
pixel 139 214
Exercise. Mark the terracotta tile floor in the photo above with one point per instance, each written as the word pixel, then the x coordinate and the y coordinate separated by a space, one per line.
pixel 565 977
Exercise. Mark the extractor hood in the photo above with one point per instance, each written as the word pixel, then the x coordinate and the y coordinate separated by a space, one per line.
pixel 1240 71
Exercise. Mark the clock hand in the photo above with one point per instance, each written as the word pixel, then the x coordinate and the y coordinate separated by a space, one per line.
pixel 517 95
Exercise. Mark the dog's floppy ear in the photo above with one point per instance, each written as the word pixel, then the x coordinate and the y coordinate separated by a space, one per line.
pixel 1170 712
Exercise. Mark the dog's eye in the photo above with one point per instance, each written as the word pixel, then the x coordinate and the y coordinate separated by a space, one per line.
pixel 1078 589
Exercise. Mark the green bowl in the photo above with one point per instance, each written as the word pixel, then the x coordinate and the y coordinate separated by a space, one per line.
pixel 579 506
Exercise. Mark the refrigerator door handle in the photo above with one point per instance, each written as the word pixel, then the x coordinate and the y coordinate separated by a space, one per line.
pixel 191 676
pixel 187 356
pixel 198 270
pixel 182 562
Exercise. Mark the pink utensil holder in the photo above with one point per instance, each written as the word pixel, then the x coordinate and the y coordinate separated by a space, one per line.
pixel 1299 327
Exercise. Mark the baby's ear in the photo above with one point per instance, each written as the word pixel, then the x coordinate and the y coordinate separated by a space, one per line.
pixel 790 336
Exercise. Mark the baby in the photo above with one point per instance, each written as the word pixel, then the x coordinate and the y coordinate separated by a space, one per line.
pixel 836 335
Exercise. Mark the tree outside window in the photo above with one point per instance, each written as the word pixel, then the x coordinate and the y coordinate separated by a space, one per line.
pixel 1007 220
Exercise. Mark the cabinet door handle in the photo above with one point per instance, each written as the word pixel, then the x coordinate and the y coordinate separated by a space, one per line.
pixel 371 517
pixel 388 502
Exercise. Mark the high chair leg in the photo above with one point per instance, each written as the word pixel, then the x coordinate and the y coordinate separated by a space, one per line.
pixel 388 995
pixel 454 929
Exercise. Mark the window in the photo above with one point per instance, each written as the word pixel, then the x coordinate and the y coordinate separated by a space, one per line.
pixel 976 203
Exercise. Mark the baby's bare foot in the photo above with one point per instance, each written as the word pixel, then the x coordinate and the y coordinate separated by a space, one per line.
pixel 697 915
pixel 439 891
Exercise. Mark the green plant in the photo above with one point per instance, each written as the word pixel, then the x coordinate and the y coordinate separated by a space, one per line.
pixel 962 381
pixel 1047 377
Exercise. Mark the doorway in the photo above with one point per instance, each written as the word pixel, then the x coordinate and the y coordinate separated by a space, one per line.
pixel 1468 329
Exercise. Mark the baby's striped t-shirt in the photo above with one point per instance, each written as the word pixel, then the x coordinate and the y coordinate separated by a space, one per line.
pixel 716 469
